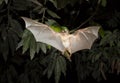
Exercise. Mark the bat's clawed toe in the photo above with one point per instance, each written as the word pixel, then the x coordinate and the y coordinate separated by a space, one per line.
pixel 67 54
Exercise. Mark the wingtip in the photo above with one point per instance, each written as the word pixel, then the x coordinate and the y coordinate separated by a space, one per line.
pixel 28 21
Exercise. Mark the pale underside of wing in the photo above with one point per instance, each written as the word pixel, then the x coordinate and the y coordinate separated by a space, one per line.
pixel 30 22
pixel 83 38
pixel 44 34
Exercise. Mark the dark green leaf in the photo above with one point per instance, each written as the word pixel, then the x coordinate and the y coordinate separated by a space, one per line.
pixel 21 4
pixel 20 44
pixel 54 2
pixel 26 44
pixel 6 1
pixel 16 27
pixel 53 14
pixel 1 1
pixel 57 71
pixel 50 69
pixel 32 47
pixel 62 63
pixel 103 3
pixel 43 47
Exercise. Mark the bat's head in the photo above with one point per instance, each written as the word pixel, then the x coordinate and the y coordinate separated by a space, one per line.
pixel 64 29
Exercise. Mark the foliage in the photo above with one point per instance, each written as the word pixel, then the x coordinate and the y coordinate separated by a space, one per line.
pixel 17 43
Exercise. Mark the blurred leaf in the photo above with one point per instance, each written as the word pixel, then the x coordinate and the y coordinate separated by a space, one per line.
pixel 53 14
pixel 114 20
pixel 55 65
pixel 51 22
pixel 102 32
pixel 57 71
pixel 24 78
pixel 21 4
pixel 16 27
pixel 6 1
pixel 54 2
pixel 62 3
pixel 4 49
pixel 103 3
pixel 1 1
pixel 63 65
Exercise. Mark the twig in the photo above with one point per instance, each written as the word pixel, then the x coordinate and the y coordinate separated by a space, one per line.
pixel 87 19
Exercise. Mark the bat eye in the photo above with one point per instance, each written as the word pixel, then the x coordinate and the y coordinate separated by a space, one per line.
pixel 65 29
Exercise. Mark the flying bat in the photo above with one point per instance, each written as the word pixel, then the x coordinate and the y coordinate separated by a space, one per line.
pixel 63 41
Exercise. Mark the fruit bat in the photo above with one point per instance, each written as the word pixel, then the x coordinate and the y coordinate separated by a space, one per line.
pixel 63 41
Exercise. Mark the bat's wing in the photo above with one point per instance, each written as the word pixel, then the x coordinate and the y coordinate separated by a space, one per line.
pixel 44 34
pixel 83 38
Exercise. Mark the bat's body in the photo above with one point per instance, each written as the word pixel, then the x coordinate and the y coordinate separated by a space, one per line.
pixel 81 39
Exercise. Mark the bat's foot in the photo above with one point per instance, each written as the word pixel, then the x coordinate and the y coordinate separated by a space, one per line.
pixel 67 55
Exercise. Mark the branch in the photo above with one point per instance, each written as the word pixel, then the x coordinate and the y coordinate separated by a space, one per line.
pixel 87 19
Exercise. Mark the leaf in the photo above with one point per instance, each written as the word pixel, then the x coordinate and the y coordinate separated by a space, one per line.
pixel 51 13
pixel 61 4
pixel 51 69
pixel 54 2
pixel 50 65
pixel 32 47
pixel 20 44
pixel 26 44
pixel 103 3
pixel 4 49
pixel 43 47
pixel 102 32
pixel 24 78
pixel 51 22
pixel 26 39
pixel 6 1
pixel 38 47
pixel 62 63
pixel 16 27
pixel 21 4
pixel 1 1
pixel 57 71
pixel 97 56
pixel 12 43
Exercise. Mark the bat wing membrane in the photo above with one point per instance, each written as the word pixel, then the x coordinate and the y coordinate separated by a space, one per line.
pixel 83 38
pixel 44 34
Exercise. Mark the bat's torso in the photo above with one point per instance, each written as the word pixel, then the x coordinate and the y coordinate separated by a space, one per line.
pixel 65 40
